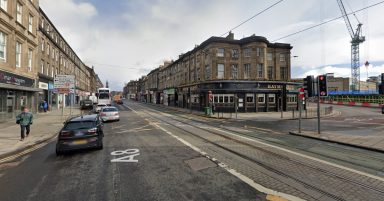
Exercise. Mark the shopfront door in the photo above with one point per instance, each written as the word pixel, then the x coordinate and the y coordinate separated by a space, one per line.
pixel 10 103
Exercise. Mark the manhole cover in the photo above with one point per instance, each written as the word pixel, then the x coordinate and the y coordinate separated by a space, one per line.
pixel 200 163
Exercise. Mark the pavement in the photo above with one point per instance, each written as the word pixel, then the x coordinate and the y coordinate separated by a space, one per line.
pixel 373 141
pixel 45 126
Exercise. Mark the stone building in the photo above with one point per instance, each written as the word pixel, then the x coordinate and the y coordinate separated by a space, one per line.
pixel 18 56
pixel 251 73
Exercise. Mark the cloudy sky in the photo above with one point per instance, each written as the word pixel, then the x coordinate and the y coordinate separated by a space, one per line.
pixel 125 39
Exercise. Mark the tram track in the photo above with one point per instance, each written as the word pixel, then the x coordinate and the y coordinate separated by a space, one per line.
pixel 259 162
pixel 340 149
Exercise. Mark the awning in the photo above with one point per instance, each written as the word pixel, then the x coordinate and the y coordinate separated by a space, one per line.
pixel 20 88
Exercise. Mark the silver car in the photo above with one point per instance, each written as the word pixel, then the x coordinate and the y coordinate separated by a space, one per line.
pixel 99 107
pixel 109 113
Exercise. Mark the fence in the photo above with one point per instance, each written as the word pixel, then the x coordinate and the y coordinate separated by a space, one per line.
pixel 312 112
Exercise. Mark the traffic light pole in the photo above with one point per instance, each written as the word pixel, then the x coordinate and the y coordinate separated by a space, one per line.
pixel 318 107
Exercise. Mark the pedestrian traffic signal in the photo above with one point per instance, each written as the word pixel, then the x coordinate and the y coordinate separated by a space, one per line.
pixel 308 85
pixel 322 82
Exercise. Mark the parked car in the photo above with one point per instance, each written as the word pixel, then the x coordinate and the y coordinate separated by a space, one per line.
pixel 109 114
pixel 80 132
pixel 99 106
pixel 86 104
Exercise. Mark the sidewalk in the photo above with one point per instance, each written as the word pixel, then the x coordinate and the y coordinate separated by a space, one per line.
pixel 44 127
pixel 361 140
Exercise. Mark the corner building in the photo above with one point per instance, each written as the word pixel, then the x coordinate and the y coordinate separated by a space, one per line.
pixel 251 72
pixel 18 56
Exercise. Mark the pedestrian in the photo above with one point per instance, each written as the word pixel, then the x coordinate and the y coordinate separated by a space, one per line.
pixel 45 106
pixel 25 119
pixel 213 108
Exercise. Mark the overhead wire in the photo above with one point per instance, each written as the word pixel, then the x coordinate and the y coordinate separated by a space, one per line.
pixel 257 14
pixel 326 22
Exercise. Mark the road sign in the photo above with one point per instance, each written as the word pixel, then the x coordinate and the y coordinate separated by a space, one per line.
pixel 301 93
pixel 62 90
pixel 64 81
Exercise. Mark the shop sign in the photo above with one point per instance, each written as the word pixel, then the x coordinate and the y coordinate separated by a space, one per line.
pixel 64 81
pixel 50 85
pixel 274 86
pixel 170 91
pixel 43 85
pixel 9 78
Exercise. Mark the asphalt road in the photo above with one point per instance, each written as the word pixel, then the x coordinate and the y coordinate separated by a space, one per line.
pixel 276 132
pixel 148 165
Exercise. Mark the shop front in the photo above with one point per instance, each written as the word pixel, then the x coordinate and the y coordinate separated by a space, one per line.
pixel 16 92
pixel 245 96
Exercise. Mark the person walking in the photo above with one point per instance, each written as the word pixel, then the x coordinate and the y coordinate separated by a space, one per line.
pixel 25 119
pixel 45 106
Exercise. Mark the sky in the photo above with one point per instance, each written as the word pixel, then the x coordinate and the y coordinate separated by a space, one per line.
pixel 125 39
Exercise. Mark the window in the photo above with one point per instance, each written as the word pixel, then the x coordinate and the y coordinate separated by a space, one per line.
pixel 235 53
pixel 247 52
pixel 52 71
pixel 269 56
pixel 220 71
pixel 270 72
pixel 3 45
pixel 57 55
pixel 42 23
pixel 30 23
pixel 283 73
pixel 220 52
pixel 271 98
pixel 48 47
pixel 53 53
pixel 42 67
pixel 30 54
pixel 4 4
pixel 234 71
pixel 42 45
pixel 259 52
pixel 261 98
pixel 282 57
pixel 221 99
pixel 247 71
pixel 207 72
pixel 19 12
pixel 260 71
pixel 250 98
pixel 18 54
pixel 47 73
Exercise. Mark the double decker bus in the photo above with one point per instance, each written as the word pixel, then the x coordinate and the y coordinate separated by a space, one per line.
pixel 104 96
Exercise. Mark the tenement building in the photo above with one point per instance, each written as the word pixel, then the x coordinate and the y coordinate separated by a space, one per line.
pixel 18 56
pixel 32 52
pixel 251 73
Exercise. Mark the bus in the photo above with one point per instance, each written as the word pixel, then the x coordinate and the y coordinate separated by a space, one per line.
pixel 104 96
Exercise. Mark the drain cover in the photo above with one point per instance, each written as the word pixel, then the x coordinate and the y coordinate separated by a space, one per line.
pixel 200 163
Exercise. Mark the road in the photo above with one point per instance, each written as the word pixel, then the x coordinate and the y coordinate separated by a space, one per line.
pixel 161 173
pixel 187 157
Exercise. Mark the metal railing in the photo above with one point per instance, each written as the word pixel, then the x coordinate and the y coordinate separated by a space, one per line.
pixel 312 112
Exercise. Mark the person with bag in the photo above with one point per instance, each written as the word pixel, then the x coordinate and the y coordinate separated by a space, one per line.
pixel 25 119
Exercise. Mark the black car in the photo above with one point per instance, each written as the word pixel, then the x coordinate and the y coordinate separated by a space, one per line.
pixel 80 132
pixel 86 104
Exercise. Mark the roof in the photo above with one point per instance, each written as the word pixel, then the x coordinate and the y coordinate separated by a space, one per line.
pixel 90 117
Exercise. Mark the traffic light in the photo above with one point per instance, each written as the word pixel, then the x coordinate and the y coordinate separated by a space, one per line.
pixel 381 86
pixel 308 85
pixel 322 81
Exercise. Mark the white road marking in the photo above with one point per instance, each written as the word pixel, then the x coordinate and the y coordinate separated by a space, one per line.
pixel 130 154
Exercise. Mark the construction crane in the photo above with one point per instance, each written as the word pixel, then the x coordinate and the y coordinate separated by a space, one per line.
pixel 357 38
